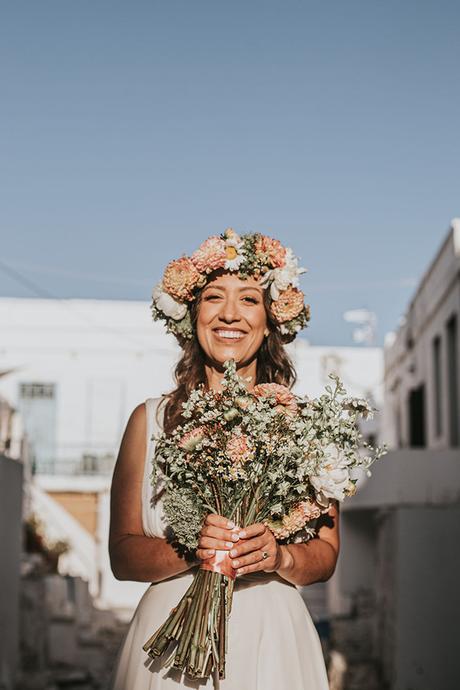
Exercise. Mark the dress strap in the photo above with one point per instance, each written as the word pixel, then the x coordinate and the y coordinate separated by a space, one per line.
pixel 152 413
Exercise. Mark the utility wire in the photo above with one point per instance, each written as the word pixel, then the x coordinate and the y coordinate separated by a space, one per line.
pixel 66 304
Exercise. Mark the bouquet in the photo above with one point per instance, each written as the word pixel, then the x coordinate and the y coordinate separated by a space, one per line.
pixel 261 456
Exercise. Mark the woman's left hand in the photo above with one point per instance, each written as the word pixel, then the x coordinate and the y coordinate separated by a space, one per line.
pixel 256 550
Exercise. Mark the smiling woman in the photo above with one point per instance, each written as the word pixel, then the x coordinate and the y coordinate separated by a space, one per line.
pixel 236 298
pixel 231 324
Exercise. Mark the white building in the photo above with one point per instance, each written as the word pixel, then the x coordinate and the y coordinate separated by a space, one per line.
pixel 400 532
pixel 422 372
pixel 77 368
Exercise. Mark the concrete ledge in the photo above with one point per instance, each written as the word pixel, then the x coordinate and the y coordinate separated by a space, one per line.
pixel 410 477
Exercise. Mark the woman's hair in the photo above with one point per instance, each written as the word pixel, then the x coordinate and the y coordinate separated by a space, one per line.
pixel 273 366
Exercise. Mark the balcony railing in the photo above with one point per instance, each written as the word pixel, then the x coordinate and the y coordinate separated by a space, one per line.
pixel 87 465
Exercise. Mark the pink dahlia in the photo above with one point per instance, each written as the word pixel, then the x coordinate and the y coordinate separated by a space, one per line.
pixel 270 251
pixel 281 394
pixel 191 439
pixel 295 520
pixel 288 305
pixel 310 510
pixel 238 449
pixel 210 255
pixel 181 278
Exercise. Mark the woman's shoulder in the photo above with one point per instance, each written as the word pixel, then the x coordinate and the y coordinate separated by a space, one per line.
pixel 146 417
pixel 148 405
pixel 154 409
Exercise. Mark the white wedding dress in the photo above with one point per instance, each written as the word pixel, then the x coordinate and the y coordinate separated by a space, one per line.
pixel 272 645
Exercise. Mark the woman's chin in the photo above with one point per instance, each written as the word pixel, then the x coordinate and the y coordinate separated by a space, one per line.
pixel 223 354
pixel 240 355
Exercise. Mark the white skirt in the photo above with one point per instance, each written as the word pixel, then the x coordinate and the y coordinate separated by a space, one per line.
pixel 272 643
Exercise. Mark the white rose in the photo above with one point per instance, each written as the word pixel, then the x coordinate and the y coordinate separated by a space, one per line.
pixel 281 278
pixel 332 478
pixel 167 304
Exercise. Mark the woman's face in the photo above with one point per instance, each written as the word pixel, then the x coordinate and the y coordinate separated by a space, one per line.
pixel 231 321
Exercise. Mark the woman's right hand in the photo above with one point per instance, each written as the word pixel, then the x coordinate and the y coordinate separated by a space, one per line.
pixel 217 533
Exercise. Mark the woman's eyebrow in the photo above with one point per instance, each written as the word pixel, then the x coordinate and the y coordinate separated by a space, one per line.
pixel 223 289
pixel 213 287
pixel 251 287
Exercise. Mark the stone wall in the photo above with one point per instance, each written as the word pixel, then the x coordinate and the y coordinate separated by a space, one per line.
pixel 65 641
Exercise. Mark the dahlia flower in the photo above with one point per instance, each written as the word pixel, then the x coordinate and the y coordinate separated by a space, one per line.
pixel 289 305
pixel 181 278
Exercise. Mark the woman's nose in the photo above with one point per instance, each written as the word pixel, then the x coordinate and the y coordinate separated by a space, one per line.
pixel 229 311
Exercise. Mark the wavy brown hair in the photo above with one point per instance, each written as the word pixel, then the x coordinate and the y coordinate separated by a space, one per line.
pixel 273 366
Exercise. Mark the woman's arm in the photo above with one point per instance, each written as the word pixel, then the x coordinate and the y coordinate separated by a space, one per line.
pixel 300 564
pixel 133 556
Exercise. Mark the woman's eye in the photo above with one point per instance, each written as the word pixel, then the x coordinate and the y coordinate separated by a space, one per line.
pixel 208 297
pixel 253 300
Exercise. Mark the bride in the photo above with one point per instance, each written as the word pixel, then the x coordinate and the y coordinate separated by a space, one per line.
pixel 234 298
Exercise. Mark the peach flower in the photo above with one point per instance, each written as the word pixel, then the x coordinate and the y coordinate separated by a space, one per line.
pixel 181 278
pixel 281 394
pixel 288 305
pixel 295 520
pixel 210 255
pixel 272 251
pixel 238 449
pixel 191 439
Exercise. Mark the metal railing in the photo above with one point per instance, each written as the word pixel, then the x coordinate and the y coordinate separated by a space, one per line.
pixel 86 465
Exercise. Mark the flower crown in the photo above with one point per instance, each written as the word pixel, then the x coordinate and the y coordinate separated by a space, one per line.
pixel 247 255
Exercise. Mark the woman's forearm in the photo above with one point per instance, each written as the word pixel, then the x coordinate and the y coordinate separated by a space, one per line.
pixel 145 559
pixel 304 564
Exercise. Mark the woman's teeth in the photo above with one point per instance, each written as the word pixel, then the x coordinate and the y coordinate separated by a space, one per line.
pixel 230 334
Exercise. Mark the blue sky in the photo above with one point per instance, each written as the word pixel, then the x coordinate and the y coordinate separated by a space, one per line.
pixel 130 131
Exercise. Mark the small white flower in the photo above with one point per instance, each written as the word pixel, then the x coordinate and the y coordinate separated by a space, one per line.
pixel 167 304
pixel 280 279
pixel 234 252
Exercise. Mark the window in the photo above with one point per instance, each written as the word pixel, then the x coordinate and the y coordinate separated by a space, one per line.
pixel 452 380
pixel 417 417
pixel 437 386
pixel 31 391
pixel 37 403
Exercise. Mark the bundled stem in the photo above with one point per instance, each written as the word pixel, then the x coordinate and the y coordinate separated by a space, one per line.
pixel 198 626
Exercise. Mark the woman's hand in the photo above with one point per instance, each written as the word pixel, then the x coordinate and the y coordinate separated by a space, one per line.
pixel 257 550
pixel 217 533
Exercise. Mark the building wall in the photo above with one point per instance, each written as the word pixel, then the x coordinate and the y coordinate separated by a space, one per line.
pixel 11 541
pixel 420 597
pixel 83 506
pixel 409 361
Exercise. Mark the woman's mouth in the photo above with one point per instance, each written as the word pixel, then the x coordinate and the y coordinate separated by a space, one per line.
pixel 229 334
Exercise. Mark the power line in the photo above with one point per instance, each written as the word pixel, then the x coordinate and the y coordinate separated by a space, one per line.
pixel 43 293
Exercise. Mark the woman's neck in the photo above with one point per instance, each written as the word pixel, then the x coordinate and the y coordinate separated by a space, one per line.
pixel 214 376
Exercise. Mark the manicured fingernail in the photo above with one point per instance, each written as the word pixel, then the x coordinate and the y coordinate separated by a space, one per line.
pixel 233 552
pixel 235 564
pixel 235 537
pixel 229 544
pixel 240 572
pixel 211 552
pixel 242 534
pixel 230 524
